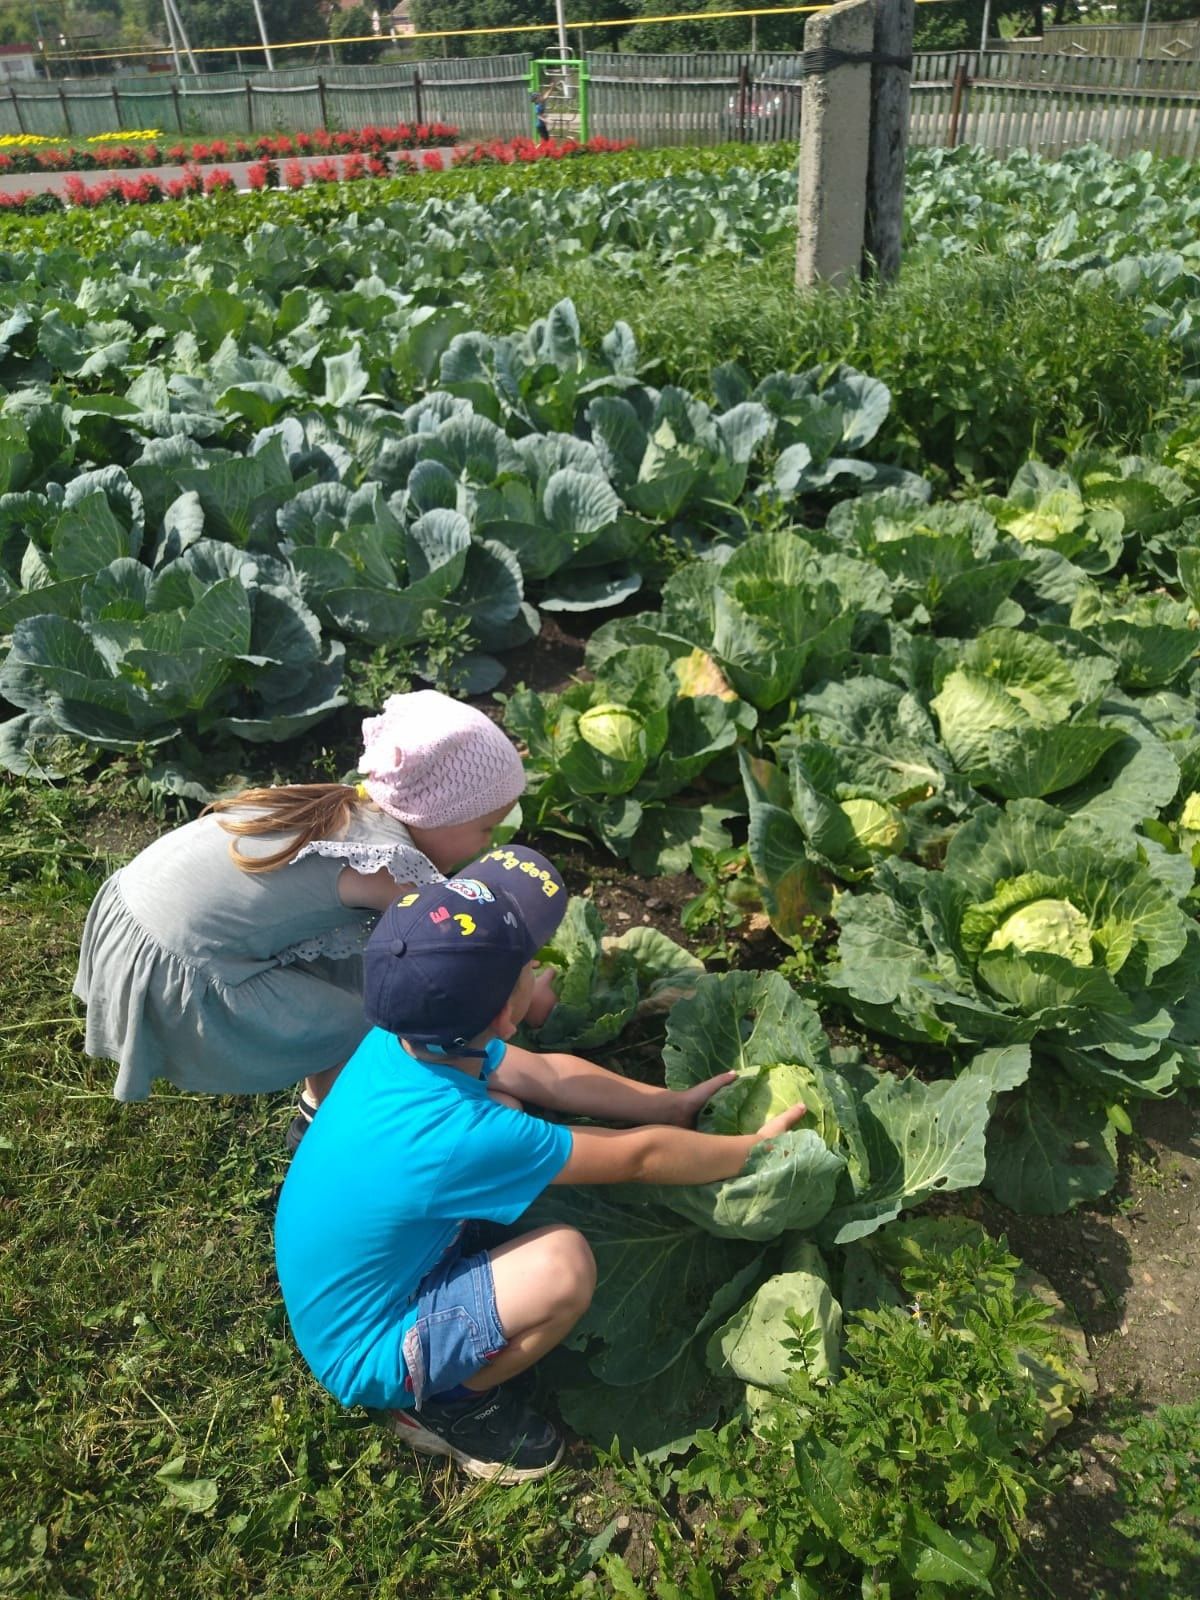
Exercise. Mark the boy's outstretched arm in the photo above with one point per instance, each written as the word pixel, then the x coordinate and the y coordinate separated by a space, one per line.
pixel 560 1082
pixel 665 1155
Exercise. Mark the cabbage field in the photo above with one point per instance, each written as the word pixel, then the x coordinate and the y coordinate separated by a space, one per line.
pixel 929 687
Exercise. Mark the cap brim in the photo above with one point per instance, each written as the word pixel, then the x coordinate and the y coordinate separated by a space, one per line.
pixel 540 894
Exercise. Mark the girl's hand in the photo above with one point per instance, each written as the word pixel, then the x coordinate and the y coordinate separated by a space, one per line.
pixel 785 1120
pixel 544 998
pixel 685 1105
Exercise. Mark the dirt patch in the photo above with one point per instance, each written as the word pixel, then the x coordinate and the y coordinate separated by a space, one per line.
pixel 1129 1267
pixel 548 663
pixel 122 835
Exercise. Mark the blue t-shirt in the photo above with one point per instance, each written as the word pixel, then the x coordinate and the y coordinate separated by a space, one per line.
pixel 401 1153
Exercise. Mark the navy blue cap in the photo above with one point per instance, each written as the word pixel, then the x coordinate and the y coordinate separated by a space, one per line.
pixel 443 960
pixel 533 882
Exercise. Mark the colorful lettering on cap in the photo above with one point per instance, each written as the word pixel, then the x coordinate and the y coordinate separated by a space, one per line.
pixel 513 863
pixel 408 899
pixel 465 923
pixel 440 915
pixel 471 889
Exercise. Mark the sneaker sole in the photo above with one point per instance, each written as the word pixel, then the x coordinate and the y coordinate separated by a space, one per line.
pixel 428 1444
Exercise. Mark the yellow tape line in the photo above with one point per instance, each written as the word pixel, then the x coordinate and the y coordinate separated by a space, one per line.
pixel 255 48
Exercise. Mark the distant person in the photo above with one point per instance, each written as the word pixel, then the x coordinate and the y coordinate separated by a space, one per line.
pixel 227 956
pixel 398 1298
pixel 539 113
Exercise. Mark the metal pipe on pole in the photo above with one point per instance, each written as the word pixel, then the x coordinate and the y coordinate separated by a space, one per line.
pixel 262 29
pixel 564 49
pixel 1137 76
pixel 174 43
pixel 41 32
pixel 183 38
pixel 983 36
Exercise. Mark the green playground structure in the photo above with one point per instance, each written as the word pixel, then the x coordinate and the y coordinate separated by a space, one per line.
pixel 563 80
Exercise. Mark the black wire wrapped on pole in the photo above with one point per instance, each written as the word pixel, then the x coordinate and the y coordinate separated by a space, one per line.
pixel 813 63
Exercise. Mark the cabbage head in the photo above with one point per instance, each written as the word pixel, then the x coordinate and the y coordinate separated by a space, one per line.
pixel 763 1092
pixel 1018 716
pixel 615 730
pixel 879 829
pixel 1040 928
pixel 1048 510
pixel 1050 523
pixel 1055 927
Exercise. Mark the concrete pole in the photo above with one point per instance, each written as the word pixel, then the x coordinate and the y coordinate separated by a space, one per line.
pixel 835 147
pixel 890 92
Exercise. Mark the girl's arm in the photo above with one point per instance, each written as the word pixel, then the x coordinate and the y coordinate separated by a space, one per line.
pixel 580 1088
pixel 372 891
pixel 665 1155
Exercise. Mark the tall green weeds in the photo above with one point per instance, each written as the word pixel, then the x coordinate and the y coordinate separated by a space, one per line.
pixel 988 361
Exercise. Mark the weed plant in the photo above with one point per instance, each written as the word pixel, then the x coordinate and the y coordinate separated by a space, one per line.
pixel 906 1477
pixel 974 353
pixel 1158 1485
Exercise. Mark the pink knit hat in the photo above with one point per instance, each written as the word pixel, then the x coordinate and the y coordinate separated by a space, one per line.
pixel 432 762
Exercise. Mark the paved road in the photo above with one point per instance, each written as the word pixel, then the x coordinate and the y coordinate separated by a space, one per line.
pixel 55 182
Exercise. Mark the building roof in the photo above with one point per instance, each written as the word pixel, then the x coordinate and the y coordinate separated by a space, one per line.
pixel 18 50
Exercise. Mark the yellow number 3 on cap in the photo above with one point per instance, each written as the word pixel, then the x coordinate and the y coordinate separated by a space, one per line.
pixel 466 923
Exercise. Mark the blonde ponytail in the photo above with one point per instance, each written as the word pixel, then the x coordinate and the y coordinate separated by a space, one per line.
pixel 308 811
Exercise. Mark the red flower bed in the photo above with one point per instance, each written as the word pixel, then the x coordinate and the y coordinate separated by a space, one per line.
pixel 369 141
pixel 266 174
pixel 506 153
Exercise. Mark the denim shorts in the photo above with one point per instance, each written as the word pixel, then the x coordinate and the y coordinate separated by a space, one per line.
pixel 457 1331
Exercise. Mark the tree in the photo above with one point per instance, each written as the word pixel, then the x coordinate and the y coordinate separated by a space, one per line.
pixel 232 23
pixel 17 26
pixel 355 24
pixel 713 33
pixel 431 15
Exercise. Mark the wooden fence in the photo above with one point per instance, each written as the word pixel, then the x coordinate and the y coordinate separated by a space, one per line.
pixel 1007 100
pixel 1174 41
pixel 704 98
pixel 485 97
pixel 1003 100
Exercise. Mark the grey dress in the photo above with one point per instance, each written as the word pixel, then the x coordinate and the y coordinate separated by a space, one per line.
pixel 231 982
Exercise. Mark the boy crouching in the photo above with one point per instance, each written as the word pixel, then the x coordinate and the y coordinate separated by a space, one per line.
pixel 395 1301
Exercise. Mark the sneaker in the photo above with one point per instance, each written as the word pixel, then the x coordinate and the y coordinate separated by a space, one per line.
pixel 300 1124
pixel 495 1435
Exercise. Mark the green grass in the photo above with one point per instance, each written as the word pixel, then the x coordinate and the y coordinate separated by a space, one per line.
pixel 142 1328
pixel 161 1435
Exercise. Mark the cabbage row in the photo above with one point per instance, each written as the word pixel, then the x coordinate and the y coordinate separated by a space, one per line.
pixel 961 740
pixel 966 740
pixel 157 582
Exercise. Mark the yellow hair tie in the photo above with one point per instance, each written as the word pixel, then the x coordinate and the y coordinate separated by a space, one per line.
pixel 360 790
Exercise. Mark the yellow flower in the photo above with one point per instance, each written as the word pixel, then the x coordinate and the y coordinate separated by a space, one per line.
pixel 124 136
